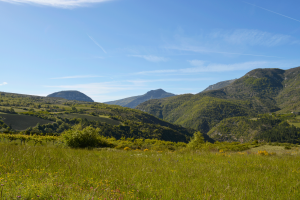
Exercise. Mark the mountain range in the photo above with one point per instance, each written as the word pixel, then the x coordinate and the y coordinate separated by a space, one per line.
pixel 259 91
pixel 132 102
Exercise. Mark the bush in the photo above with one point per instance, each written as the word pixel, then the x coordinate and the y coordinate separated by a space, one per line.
pixel 197 141
pixel 287 147
pixel 82 138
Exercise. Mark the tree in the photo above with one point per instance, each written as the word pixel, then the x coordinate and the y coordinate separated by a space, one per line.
pixel 197 141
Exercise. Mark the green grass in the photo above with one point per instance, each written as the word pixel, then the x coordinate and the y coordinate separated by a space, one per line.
pixel 90 117
pixel 279 150
pixel 22 122
pixel 295 124
pixel 59 173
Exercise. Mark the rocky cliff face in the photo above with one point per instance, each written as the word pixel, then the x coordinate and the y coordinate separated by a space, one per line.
pixel 71 95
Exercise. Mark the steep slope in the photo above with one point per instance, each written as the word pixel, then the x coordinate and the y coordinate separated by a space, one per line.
pixel 132 102
pixel 259 91
pixel 265 127
pixel 219 85
pixel 71 95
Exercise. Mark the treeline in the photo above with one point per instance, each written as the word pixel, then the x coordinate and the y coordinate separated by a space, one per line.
pixel 264 127
pixel 6 110
pixel 128 128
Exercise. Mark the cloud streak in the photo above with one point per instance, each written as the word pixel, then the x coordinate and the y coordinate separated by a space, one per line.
pixel 4 83
pixel 201 66
pixel 80 76
pixel 272 11
pixel 151 58
pixel 97 44
pixel 252 37
pixel 203 50
pixel 57 3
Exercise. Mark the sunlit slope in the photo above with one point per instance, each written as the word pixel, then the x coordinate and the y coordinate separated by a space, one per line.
pixel 259 91
pixel 62 114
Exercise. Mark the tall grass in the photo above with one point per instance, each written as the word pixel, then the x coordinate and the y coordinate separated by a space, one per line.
pixel 37 172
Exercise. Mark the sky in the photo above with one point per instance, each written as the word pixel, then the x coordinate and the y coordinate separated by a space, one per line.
pixel 113 49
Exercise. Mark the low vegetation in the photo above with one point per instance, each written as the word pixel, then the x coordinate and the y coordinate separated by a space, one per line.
pixel 53 116
pixel 50 172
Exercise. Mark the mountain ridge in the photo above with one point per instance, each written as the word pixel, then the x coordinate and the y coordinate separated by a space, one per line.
pixel 219 85
pixel 258 91
pixel 132 102
pixel 71 95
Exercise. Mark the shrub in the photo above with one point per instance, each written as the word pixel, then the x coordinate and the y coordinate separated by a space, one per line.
pixel 82 138
pixel 287 147
pixel 197 141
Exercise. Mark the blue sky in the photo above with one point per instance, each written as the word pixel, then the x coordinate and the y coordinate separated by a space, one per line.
pixel 112 49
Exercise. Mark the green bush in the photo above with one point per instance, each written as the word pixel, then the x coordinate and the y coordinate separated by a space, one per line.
pixel 82 138
pixel 197 141
pixel 287 147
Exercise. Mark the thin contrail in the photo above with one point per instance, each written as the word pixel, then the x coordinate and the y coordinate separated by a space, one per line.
pixel 97 43
pixel 272 11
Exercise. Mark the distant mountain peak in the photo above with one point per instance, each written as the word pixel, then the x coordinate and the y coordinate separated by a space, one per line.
pixel 158 91
pixel 132 102
pixel 71 95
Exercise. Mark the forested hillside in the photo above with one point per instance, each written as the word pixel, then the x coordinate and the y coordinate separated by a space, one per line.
pixel 61 114
pixel 259 91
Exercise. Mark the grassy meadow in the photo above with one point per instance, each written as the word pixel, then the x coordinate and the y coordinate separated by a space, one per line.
pixel 55 172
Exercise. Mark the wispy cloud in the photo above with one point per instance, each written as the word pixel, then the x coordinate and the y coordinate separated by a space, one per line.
pixel 252 37
pixel 206 50
pixel 57 3
pixel 101 91
pixel 96 88
pixel 151 58
pixel 202 66
pixel 156 72
pixel 97 44
pixel 272 11
pixel 4 83
pixel 80 76
pixel 142 81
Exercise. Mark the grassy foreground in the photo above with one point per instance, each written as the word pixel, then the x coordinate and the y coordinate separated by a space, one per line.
pixel 28 172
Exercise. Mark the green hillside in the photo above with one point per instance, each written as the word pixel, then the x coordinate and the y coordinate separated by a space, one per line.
pixel 52 116
pixel 266 127
pixel 259 91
